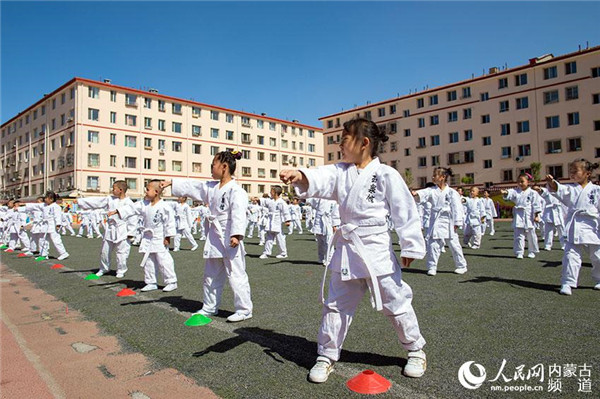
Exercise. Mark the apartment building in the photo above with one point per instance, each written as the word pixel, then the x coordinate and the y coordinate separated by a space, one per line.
pixel 489 129
pixel 86 134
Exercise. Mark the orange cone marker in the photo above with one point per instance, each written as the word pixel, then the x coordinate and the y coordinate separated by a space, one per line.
pixel 57 266
pixel 369 382
pixel 126 292
pixel 21 256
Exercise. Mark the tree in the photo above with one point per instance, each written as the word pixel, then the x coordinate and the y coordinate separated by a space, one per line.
pixel 408 177
pixel 467 180
pixel 536 167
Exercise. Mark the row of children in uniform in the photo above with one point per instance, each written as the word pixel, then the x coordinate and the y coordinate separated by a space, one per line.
pixel 367 193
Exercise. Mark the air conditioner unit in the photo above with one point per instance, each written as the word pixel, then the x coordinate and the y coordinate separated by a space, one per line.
pixel 69 120
pixel 519 159
pixel 161 152
pixel 282 134
pixel 41 153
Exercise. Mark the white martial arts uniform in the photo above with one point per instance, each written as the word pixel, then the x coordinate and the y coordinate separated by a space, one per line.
pixel 227 218
pixel 159 223
pixel 51 217
pixel 85 224
pixel 363 257
pixel 204 212
pixel 474 213
pixel 67 221
pixel 183 225
pixel 446 216
pixel 527 205
pixel 253 213
pixel 322 226
pixel 296 215
pixel 278 213
pixel 582 230
pixel 195 215
pixel 16 222
pixel 490 214
pixel 263 221
pixel 554 221
pixel 116 232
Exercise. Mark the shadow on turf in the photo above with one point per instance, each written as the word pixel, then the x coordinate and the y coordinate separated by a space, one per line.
pixel 180 303
pixel 520 283
pixel 128 284
pixel 294 349
pixel 78 271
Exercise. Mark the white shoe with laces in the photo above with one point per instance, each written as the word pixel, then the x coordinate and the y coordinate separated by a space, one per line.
pixel 531 255
pixel 431 272
pixel 99 273
pixel 416 365
pixel 170 287
pixel 263 256
pixel 281 256
pixel 63 256
pixel 565 289
pixel 597 286
pixel 120 274
pixel 207 313
pixel 321 370
pixel 149 287
pixel 460 270
pixel 234 318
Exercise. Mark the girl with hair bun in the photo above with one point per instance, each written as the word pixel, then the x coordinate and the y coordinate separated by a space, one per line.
pixel 526 213
pixel 446 217
pixel 582 230
pixel 224 251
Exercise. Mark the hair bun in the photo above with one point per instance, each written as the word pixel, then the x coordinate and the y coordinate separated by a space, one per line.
pixel 237 155
pixel 385 138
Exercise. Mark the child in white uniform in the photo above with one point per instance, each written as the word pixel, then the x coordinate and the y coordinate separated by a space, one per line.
pixel 582 231
pixel 363 259
pixel 224 251
pixel 490 213
pixel 183 224
pixel 474 213
pixel 278 213
pixel 51 218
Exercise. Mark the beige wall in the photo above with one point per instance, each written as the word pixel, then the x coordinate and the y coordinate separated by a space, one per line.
pixel 101 154
pixel 488 164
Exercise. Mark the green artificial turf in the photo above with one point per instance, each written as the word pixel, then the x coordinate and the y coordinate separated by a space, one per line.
pixel 502 309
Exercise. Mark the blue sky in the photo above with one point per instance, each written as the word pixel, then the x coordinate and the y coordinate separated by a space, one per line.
pixel 300 60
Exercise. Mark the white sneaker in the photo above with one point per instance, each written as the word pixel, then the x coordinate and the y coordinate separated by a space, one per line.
pixel 176 250
pixel 263 256
pixel 321 370
pixel 207 313
pixel 520 256
pixel 460 270
pixel 548 248
pixel 416 365
pixel 431 272
pixel 531 255
pixel 99 273
pixel 195 247
pixel 281 256
pixel 63 256
pixel 149 287
pixel 170 287
pixel 597 286
pixel 565 289
pixel 234 318
pixel 120 274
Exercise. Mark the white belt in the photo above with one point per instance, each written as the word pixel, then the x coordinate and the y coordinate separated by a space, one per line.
pixel 349 232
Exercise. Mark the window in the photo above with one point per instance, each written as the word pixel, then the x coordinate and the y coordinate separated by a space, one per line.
pixel 93 160
pixel 454 158
pixel 406 132
pixel 571 93
pixel 394 146
pixel 597 125
pixel 147 143
pixel 552 122
pixel 507 175
pixel 434 120
pixel 113 117
pixel 196 167
pixel 524 150
pixel 196 130
pixel 407 152
pixel 130 141
pixel 487 163
pixel 573 118
pixel 485 118
pixel 551 97
pixel 506 152
pixel 161 125
pixel 451 95
pixel 485 96
pixel 214 150
pixel 113 96
pixel 246 154
pixel 521 79
pixel 113 161
pixel 63 98
pixel 161 144
pixel 131 100
pixel 214 133
pixel 93 137
pixel 466 92
pixel 147 163
pixel 367 116
pixel 130 162
pixel 260 155
pixel 130 120
pixel 570 67
pixel 311 148
pixel 162 165
pixel 392 109
pixel 196 149
pixel 246 171
pixel 433 100
pixel 214 115
pixel 421 142
pixel 176 108
pixel 422 161
pixel 272 126
pixel 147 103
pixel 574 144
pixel 229 135
pixel 176 166
pixel 147 123
pixel 93 114
pixel 92 183
pixel 435 140
pixel 196 112
pixel 176 127
pixel 504 106
pixel 176 146
pixel 93 92
pixel 453 137
pixel 487 140
pixel 421 122
pixel 113 139
pixel 550 73
pixel 435 160
pixel 502 83
pixel 381 112
pixel 467 113
pixel 553 147
pixel 420 103
pixel 596 98
pixel 505 129
pixel 556 171
pixel 131 183
pixel 522 126
pixel 452 116
pixel 469 156
pixel 273 142
pixel 161 106
pixel 393 128
pixel 522 102
pixel 468 135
